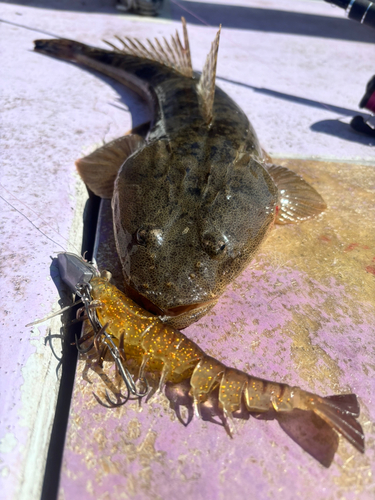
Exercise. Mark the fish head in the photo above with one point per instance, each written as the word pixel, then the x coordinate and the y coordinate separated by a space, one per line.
pixel 185 228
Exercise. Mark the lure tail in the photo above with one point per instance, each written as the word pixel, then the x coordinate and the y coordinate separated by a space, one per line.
pixel 340 412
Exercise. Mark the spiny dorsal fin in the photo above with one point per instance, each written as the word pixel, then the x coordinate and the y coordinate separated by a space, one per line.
pixel 173 55
pixel 206 85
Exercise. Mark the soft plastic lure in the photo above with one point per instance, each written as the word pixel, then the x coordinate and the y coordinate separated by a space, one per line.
pixel 130 332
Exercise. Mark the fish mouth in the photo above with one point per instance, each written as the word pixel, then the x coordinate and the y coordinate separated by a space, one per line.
pixel 179 310
pixel 171 312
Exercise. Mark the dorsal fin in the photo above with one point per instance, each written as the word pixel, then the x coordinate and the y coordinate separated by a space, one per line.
pixel 173 55
pixel 206 85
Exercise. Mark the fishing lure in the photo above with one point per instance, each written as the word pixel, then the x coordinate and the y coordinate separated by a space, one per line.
pixel 130 332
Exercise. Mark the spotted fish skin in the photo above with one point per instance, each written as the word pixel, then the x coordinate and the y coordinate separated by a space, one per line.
pixel 202 203
pixel 193 197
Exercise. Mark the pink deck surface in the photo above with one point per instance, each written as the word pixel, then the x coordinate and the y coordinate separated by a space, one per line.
pixel 285 319
pixel 303 313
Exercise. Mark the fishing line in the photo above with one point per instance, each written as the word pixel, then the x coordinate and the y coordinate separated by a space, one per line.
pixel 31 29
pixel 191 13
pixel 38 215
pixel 31 222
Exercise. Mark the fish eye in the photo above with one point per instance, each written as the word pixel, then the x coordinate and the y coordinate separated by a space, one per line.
pixel 152 237
pixel 214 245
pixel 142 236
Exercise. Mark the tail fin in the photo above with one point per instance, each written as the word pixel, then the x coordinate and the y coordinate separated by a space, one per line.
pixel 310 432
pixel 340 412
pixel 59 47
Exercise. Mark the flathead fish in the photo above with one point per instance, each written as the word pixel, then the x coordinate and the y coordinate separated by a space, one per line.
pixel 193 195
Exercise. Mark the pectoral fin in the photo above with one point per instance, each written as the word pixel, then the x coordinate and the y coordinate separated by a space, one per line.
pixel 297 200
pixel 99 169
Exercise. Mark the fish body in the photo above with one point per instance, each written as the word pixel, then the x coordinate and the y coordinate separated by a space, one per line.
pixel 198 215
pixel 192 194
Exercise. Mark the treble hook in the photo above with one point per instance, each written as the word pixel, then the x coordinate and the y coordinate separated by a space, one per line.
pixel 112 404
pixel 83 290
pixel 124 372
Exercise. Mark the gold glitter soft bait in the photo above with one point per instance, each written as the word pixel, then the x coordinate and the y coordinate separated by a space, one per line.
pixel 129 332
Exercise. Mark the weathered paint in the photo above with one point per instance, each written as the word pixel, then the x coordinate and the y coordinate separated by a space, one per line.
pixel 54 113
pixel 303 313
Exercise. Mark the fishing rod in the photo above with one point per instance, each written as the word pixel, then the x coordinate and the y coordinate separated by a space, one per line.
pixel 362 11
